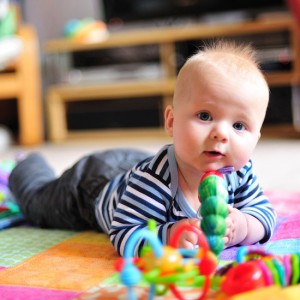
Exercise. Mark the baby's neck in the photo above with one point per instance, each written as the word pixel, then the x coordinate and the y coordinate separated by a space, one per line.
pixel 189 189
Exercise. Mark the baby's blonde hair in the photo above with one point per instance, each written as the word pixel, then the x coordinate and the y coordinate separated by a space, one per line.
pixel 242 50
pixel 229 55
pixel 225 56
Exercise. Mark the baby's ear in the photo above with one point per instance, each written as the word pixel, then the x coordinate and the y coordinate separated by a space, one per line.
pixel 169 120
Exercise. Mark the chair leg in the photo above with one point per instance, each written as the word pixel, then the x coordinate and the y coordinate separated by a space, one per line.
pixel 57 115
pixel 30 111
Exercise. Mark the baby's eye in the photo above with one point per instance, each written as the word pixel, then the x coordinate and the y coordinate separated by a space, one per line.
pixel 204 116
pixel 239 126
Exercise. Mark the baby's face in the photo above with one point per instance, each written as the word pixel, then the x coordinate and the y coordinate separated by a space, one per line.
pixel 217 120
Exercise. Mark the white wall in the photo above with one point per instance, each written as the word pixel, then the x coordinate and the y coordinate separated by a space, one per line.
pixel 50 16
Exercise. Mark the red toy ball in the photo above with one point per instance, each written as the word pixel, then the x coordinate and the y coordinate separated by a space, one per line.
pixel 242 278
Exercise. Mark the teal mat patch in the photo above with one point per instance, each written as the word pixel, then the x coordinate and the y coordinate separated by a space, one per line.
pixel 20 243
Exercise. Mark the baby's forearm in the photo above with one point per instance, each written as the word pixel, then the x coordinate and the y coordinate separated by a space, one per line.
pixel 255 230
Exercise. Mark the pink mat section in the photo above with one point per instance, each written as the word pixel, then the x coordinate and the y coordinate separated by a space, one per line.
pixel 289 228
pixel 25 293
pixel 285 203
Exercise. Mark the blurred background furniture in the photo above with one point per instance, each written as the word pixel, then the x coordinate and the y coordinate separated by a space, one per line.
pixel 60 94
pixel 20 80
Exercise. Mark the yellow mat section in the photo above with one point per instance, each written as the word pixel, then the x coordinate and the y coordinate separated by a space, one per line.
pixel 75 264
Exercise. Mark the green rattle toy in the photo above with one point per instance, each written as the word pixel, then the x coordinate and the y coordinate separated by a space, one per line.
pixel 213 195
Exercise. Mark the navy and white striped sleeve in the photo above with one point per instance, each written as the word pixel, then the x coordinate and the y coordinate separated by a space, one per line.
pixel 146 196
pixel 250 199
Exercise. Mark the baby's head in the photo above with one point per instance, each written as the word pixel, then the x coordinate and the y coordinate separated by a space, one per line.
pixel 219 105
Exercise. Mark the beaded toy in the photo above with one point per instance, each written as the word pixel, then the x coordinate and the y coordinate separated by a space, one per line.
pixel 166 268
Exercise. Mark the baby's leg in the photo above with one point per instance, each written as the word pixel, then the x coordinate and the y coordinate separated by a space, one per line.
pixel 50 202
pixel 67 202
pixel 26 182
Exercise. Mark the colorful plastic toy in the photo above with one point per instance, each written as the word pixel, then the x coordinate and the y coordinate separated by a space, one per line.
pixel 86 30
pixel 8 19
pixel 10 213
pixel 166 267
pixel 5 169
pixel 256 268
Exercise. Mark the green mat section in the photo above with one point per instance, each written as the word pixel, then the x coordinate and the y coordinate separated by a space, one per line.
pixel 20 243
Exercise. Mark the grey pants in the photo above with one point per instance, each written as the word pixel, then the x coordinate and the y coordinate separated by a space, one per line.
pixel 67 202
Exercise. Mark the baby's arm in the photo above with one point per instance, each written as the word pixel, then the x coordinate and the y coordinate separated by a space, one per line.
pixel 242 228
pixel 252 218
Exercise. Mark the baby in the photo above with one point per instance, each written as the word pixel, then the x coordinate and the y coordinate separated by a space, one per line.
pixel 219 105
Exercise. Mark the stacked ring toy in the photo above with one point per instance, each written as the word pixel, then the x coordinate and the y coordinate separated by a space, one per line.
pixel 257 268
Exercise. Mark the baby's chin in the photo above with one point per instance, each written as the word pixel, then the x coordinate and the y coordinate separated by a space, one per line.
pixel 214 167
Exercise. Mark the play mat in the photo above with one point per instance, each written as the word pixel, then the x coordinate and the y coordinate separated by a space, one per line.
pixel 59 264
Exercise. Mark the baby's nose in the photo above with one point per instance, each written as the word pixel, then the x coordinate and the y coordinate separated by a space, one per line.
pixel 220 133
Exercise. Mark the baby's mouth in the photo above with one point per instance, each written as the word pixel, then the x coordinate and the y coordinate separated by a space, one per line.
pixel 214 153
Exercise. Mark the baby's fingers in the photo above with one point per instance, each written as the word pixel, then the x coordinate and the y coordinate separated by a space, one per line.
pixel 192 237
pixel 195 222
pixel 230 208
pixel 187 245
pixel 225 240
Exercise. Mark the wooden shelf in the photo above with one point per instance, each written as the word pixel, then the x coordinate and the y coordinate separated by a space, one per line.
pixel 174 34
pixel 283 78
pixel 283 131
pixel 114 90
pixel 166 38
pixel 151 133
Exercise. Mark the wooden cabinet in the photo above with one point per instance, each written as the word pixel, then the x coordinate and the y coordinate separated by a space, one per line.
pixel 166 38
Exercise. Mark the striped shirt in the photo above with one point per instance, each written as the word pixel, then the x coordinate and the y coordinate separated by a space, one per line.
pixel 150 190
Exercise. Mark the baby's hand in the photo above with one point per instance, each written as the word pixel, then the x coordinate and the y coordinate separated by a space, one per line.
pixel 188 239
pixel 236 230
